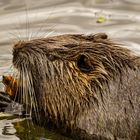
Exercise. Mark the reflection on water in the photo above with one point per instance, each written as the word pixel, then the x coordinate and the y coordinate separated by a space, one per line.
pixel 16 128
pixel 32 18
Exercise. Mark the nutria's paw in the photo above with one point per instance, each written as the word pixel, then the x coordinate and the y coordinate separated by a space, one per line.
pixel 10 86
pixel 8 95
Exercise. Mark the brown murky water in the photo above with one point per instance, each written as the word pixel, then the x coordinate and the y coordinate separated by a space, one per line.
pixel 26 19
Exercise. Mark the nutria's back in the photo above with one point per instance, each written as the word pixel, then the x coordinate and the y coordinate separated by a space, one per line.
pixel 86 86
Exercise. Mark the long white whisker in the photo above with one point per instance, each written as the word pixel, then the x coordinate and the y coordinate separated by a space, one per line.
pixel 43 25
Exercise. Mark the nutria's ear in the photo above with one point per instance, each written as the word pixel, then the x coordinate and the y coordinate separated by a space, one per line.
pixel 84 64
pixel 100 36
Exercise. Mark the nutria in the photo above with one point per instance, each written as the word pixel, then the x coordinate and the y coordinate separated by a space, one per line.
pixel 86 86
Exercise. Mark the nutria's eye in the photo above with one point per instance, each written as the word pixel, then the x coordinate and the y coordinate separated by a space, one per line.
pixel 84 64
pixel 51 57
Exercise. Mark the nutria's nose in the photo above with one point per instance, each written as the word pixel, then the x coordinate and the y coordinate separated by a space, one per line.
pixel 19 44
pixel 21 52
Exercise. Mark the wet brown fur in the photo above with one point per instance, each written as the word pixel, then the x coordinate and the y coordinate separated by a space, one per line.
pixel 85 85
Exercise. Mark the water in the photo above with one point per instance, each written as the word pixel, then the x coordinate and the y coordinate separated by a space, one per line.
pixel 20 19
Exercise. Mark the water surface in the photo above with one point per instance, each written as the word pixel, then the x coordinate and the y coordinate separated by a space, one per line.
pixel 29 19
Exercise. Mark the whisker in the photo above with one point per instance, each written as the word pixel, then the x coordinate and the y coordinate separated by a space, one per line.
pixel 32 94
pixel 29 91
pixel 46 34
pixel 27 23
pixel 43 25
pixel 14 30
pixel 15 37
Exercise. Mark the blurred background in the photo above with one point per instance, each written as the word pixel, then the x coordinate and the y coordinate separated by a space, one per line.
pixel 29 19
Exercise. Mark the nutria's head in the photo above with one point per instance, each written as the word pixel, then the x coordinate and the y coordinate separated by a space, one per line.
pixel 63 73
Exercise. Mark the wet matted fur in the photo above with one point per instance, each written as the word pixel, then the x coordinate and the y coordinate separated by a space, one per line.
pixel 86 86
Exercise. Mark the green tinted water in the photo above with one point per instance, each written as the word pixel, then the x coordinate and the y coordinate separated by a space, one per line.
pixel 21 19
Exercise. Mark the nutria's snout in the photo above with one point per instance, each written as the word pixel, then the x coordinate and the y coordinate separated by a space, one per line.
pixel 20 54
pixel 25 53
